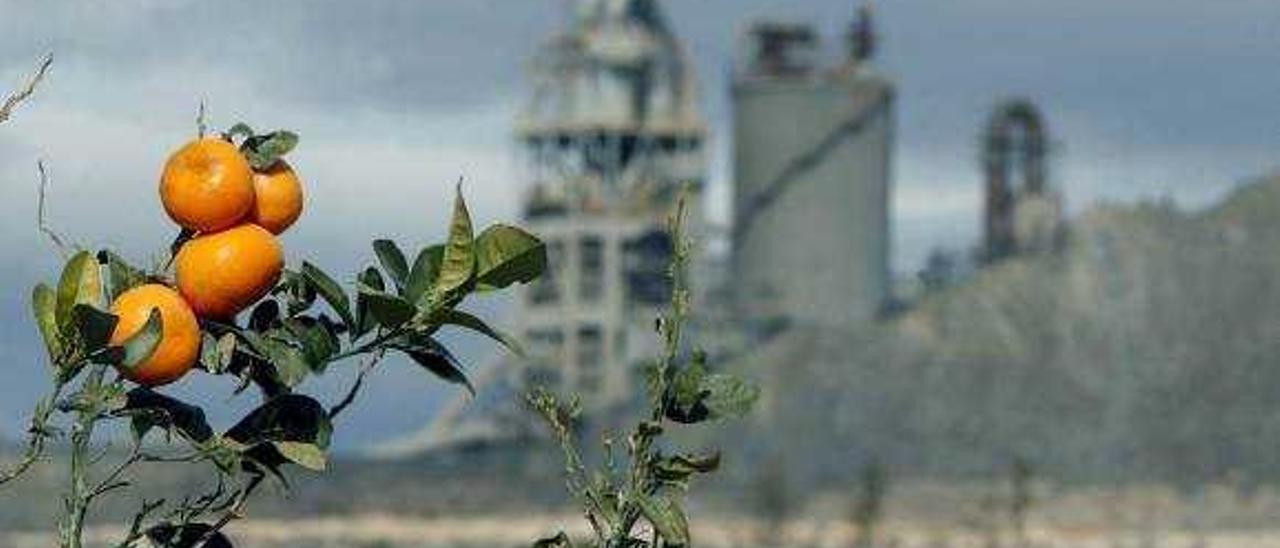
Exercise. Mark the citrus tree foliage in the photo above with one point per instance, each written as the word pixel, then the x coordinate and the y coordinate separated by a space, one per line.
pixel 311 322
pixel 649 485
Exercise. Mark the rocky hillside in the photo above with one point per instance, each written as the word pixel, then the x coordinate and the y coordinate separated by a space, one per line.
pixel 1148 349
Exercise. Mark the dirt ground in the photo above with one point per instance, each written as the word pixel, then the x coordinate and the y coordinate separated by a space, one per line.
pixel 381 531
pixel 917 515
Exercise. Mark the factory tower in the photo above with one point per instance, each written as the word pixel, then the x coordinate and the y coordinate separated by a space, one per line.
pixel 610 135
pixel 812 154
pixel 1023 214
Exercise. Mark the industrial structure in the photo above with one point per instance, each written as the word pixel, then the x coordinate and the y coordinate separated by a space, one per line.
pixel 1022 213
pixel 612 134
pixel 812 153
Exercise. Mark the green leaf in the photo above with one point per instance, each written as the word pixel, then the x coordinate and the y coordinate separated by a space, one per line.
pixel 316 340
pixel 389 310
pixel 93 326
pixel 392 260
pixel 216 354
pixel 433 357
pixel 289 363
pixel 560 540
pixel 265 315
pixel 297 293
pixel 506 255
pixel 139 347
pixel 678 468
pixel 264 150
pixel 150 409
pixel 121 276
pixel 305 455
pixel 686 385
pixel 184 235
pixel 463 319
pixel 44 308
pixel 364 316
pixel 286 418
pixel 666 517
pixel 98 400
pixel 241 129
pixel 458 265
pixel 426 268
pixel 186 535
pixel 729 396
pixel 331 292
pixel 81 283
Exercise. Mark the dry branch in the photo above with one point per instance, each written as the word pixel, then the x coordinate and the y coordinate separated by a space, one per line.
pixel 11 102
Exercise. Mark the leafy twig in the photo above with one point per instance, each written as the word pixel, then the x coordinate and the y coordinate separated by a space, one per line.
pixel 614 503
pixel 39 432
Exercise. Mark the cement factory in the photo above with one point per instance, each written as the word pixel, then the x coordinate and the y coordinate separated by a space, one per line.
pixel 610 134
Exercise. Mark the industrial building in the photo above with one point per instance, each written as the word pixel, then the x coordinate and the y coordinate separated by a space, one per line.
pixel 612 134
pixel 1023 213
pixel 812 160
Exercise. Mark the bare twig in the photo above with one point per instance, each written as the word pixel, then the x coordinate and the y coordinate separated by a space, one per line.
pixel 11 102
pixel 112 480
pixel 365 367
pixel 201 128
pixel 41 193
pixel 236 511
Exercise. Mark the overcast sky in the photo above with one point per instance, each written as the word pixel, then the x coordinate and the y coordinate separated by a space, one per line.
pixel 396 99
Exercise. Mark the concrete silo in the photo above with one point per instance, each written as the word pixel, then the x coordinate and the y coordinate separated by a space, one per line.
pixel 812 154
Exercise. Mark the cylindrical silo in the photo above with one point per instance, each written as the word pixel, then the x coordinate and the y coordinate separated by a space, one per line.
pixel 812 152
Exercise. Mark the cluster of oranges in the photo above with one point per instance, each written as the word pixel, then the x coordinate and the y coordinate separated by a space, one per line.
pixel 234 213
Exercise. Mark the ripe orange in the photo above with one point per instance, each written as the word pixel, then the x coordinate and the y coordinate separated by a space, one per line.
pixel 207 185
pixel 222 273
pixel 278 197
pixel 180 333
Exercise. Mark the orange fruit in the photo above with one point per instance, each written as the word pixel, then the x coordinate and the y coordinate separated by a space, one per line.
pixel 222 273
pixel 207 185
pixel 278 197
pixel 180 333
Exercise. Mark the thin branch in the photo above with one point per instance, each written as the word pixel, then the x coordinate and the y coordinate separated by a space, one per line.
pixel 111 481
pixel 41 223
pixel 201 127
pixel 135 528
pixel 365 367
pixel 236 510
pixel 11 102
pixel 39 432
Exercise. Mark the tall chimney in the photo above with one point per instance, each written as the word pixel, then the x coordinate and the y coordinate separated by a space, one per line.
pixel 862 35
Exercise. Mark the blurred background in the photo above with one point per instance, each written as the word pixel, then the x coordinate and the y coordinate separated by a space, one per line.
pixel 1004 269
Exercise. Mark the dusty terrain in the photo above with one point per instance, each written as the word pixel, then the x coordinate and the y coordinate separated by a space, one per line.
pixel 918 515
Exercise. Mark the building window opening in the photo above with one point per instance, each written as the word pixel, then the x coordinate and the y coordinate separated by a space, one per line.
pixel 590 268
pixel 590 356
pixel 546 288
